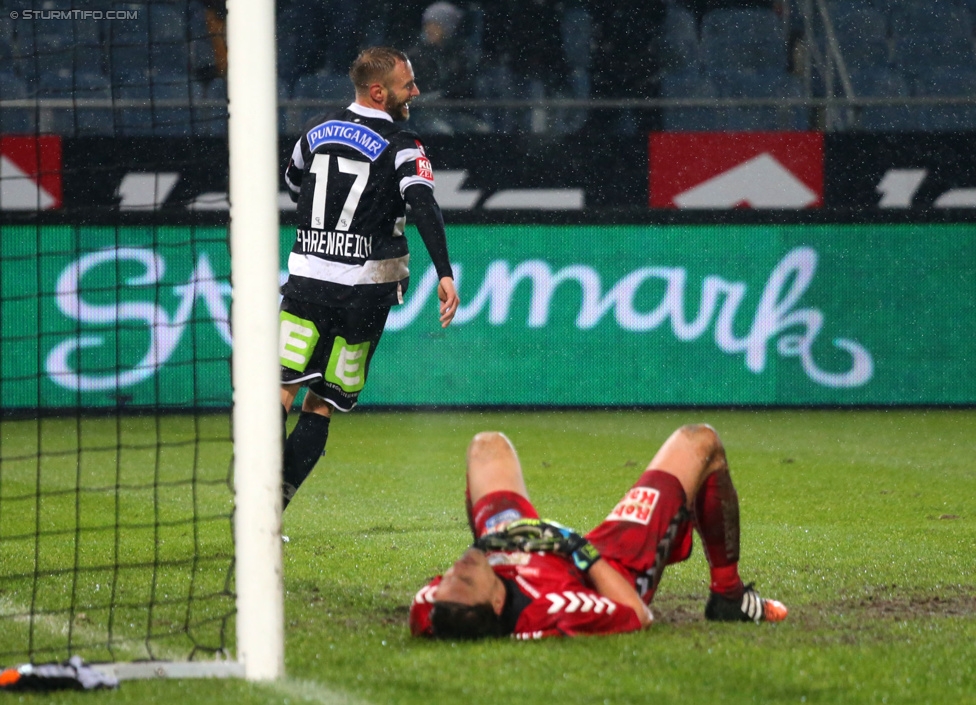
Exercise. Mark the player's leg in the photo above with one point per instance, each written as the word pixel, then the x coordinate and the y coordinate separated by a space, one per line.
pixel 493 466
pixel 694 454
pixel 305 341
pixel 306 444
pixel 716 519
pixel 495 492
pixel 650 528
pixel 690 454
pixel 338 367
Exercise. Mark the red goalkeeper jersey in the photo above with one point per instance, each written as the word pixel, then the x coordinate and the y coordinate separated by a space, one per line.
pixel 546 592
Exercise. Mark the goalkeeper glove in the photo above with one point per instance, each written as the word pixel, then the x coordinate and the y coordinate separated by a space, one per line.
pixel 533 535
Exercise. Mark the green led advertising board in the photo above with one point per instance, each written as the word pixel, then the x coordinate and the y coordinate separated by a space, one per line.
pixel 616 315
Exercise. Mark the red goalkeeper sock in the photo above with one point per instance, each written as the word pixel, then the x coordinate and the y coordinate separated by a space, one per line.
pixel 717 522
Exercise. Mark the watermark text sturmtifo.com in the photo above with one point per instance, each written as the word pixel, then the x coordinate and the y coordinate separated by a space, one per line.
pixel 74 15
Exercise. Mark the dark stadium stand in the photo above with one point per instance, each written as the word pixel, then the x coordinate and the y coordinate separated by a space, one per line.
pixel 14 120
pixel 890 48
pixel 81 86
pixel 945 82
pixel 769 83
pixel 884 82
pixel 690 83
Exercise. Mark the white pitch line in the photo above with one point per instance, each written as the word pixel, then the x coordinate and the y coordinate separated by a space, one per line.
pixel 312 691
pixel 51 625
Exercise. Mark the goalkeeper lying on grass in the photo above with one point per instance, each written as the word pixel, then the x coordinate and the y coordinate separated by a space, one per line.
pixel 534 578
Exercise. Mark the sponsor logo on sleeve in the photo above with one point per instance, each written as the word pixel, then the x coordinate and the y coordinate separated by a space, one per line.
pixel 424 169
pixel 501 520
pixel 637 506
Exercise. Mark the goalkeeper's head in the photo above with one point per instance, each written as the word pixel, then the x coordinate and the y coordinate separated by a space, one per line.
pixel 470 600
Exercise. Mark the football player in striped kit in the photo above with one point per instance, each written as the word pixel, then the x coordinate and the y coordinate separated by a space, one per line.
pixel 532 578
pixel 352 173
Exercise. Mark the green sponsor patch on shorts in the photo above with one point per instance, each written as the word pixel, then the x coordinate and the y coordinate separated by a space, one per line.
pixel 296 341
pixel 347 365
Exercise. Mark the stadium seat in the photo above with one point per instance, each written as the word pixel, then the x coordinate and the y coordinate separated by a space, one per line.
pixel 947 82
pixel 167 24
pixel 762 84
pixel 496 83
pixel 129 64
pixel 286 66
pixel 930 18
pixel 217 90
pixel 572 119
pixel 89 58
pixel 679 45
pixel 66 33
pixel 286 125
pixel 575 31
pixel 321 86
pixel 737 39
pixel 884 83
pixel 53 54
pixel 918 53
pixel 133 31
pixel 171 120
pixel 690 84
pixel 170 58
pixel 80 120
pixel 135 119
pixel 53 51
pixel 14 120
pixel 743 23
pixel 743 53
pixel 203 61
pixel 207 120
pixel 889 7
pixel 862 54
pixel 857 22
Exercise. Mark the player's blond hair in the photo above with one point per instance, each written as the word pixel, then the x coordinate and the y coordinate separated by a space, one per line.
pixel 373 65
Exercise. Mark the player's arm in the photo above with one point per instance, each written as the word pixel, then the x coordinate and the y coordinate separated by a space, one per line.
pixel 295 171
pixel 427 217
pixel 609 583
pixel 530 535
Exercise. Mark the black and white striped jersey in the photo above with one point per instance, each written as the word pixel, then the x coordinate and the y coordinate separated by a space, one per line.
pixel 348 174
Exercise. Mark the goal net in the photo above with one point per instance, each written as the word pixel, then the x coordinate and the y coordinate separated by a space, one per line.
pixel 117 463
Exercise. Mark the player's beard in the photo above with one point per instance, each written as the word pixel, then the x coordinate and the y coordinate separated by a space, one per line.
pixel 399 110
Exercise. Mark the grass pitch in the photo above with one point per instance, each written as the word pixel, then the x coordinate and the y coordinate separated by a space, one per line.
pixel 862 523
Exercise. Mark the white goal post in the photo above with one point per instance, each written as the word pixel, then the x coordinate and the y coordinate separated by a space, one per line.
pixel 253 189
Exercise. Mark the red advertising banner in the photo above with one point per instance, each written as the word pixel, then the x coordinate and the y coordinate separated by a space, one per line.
pixel 720 170
pixel 30 173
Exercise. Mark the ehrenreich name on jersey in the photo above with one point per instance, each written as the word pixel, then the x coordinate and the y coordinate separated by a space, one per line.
pixel 333 244
pixel 348 173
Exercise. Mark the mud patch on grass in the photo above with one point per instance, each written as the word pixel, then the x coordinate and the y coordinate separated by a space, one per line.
pixel 679 609
pixel 907 607
pixel 887 603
